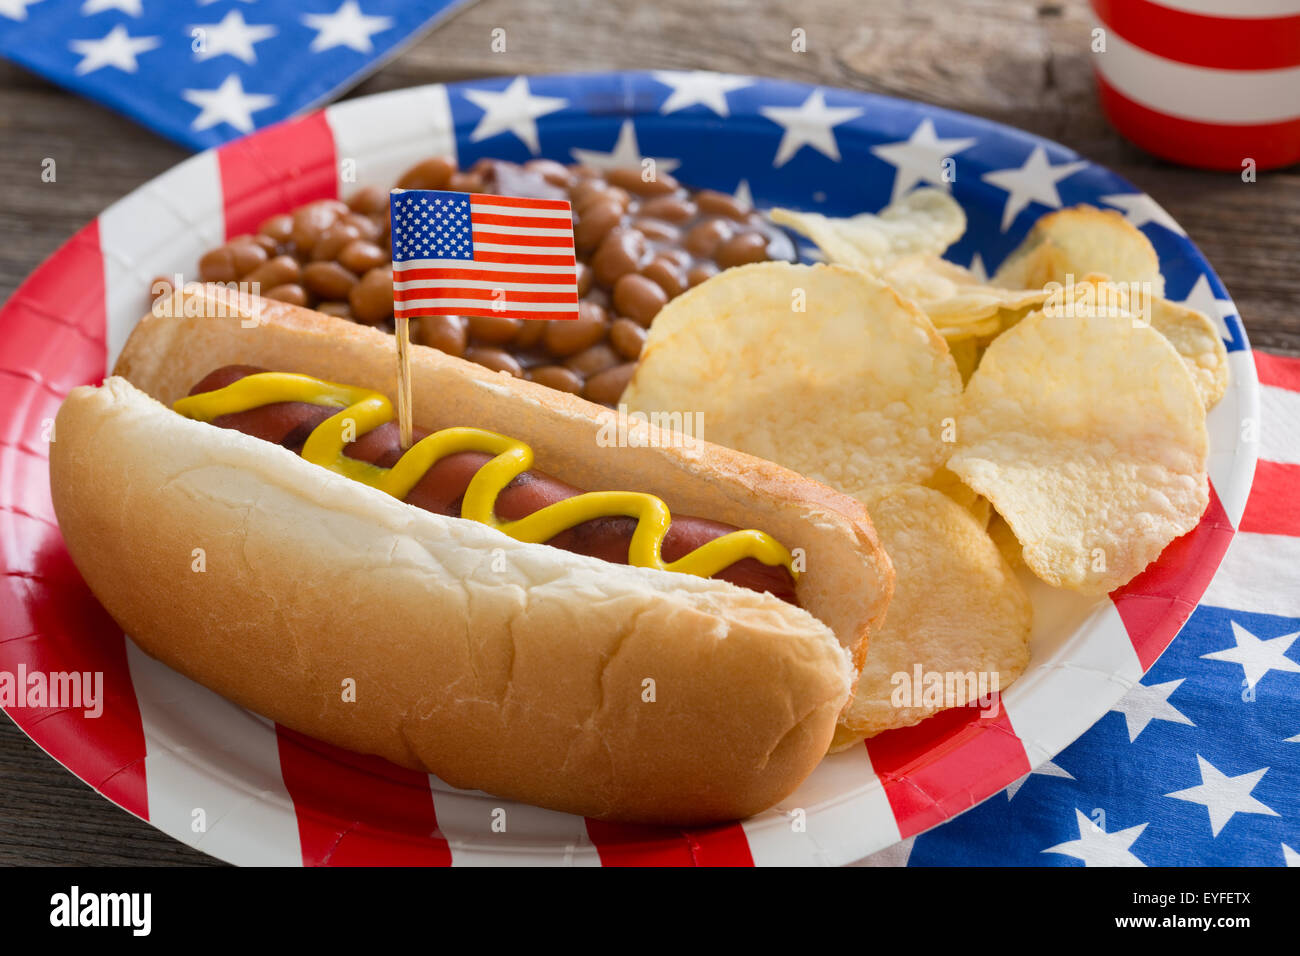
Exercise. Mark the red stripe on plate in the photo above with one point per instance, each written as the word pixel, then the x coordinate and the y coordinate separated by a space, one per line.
pixel 452 292
pixel 1207 145
pixel 1274 504
pixel 532 222
pixel 1278 371
pixel 513 239
pixel 1156 603
pixel 333 790
pixel 946 764
pixel 49 620
pixel 1223 43
pixel 625 844
pixel 429 275
pixel 283 166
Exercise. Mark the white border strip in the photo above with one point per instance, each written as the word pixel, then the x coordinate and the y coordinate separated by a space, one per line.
pixel 159 229
pixel 377 138
pixel 203 752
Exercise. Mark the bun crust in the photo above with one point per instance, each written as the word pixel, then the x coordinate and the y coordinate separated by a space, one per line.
pixel 539 675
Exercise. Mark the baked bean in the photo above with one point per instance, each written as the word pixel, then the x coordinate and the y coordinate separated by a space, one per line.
pixel 370 200
pixel 627 337
pixel 160 286
pixel 720 204
pixel 367 226
pixel 594 225
pixel 218 265
pixel 553 172
pixel 584 279
pixel 606 387
pixel 639 298
pixel 585 191
pixel 704 239
pixel 492 329
pixel 681 257
pixel 657 230
pixel 467 183
pixel 360 256
pixel 338 309
pixel 281 270
pixel 279 228
pixel 568 336
pixel 701 273
pixel 328 280
pixel 557 377
pixel 432 173
pixel 622 251
pixel 498 360
pixel 333 239
pixel 529 334
pixel 291 292
pixel 740 249
pixel 372 298
pixel 669 208
pixel 593 360
pixel 246 254
pixel 444 332
pixel 667 275
pixel 633 179
pixel 309 222
pixel 266 242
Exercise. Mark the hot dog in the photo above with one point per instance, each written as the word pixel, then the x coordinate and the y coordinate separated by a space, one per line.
pixel 474 651
pixel 443 486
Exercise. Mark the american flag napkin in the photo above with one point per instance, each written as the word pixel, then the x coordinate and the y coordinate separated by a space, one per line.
pixel 202 72
pixel 1199 765
pixel 478 254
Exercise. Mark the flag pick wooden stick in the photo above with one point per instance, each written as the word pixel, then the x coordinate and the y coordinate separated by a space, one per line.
pixel 404 382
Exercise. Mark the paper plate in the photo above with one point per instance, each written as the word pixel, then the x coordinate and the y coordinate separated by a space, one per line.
pixel 236 786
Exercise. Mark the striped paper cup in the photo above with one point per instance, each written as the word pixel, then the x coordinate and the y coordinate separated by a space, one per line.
pixel 1209 83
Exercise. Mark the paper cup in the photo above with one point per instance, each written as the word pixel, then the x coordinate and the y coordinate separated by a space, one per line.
pixel 1209 83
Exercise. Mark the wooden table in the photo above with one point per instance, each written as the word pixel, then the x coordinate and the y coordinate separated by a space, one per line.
pixel 1025 64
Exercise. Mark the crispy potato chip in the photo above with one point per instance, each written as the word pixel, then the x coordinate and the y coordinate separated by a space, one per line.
pixel 1077 241
pixel 927 220
pixel 966 352
pixel 953 296
pixel 856 391
pixel 1088 436
pixel 1005 539
pixel 945 481
pixel 1191 333
pixel 1195 338
pixel 958 612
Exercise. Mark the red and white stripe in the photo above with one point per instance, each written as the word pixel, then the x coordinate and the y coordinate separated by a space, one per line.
pixel 523 264
pixel 1209 83
pixel 166 748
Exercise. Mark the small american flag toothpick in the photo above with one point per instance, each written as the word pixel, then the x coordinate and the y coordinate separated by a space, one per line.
pixel 477 254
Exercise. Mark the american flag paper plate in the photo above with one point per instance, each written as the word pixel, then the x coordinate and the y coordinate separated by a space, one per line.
pixel 165 746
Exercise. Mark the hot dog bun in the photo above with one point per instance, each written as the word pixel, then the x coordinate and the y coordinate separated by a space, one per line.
pixel 514 668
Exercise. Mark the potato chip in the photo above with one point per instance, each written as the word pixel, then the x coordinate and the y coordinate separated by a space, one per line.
pixel 1088 436
pixel 958 612
pixel 924 221
pixel 945 481
pixel 1005 539
pixel 819 368
pixel 953 296
pixel 1077 241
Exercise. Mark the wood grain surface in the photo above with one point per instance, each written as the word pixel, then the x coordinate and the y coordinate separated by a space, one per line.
pixel 1021 63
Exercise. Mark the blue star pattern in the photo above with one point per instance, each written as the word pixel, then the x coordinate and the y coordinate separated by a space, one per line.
pixel 431 224
pixel 202 74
